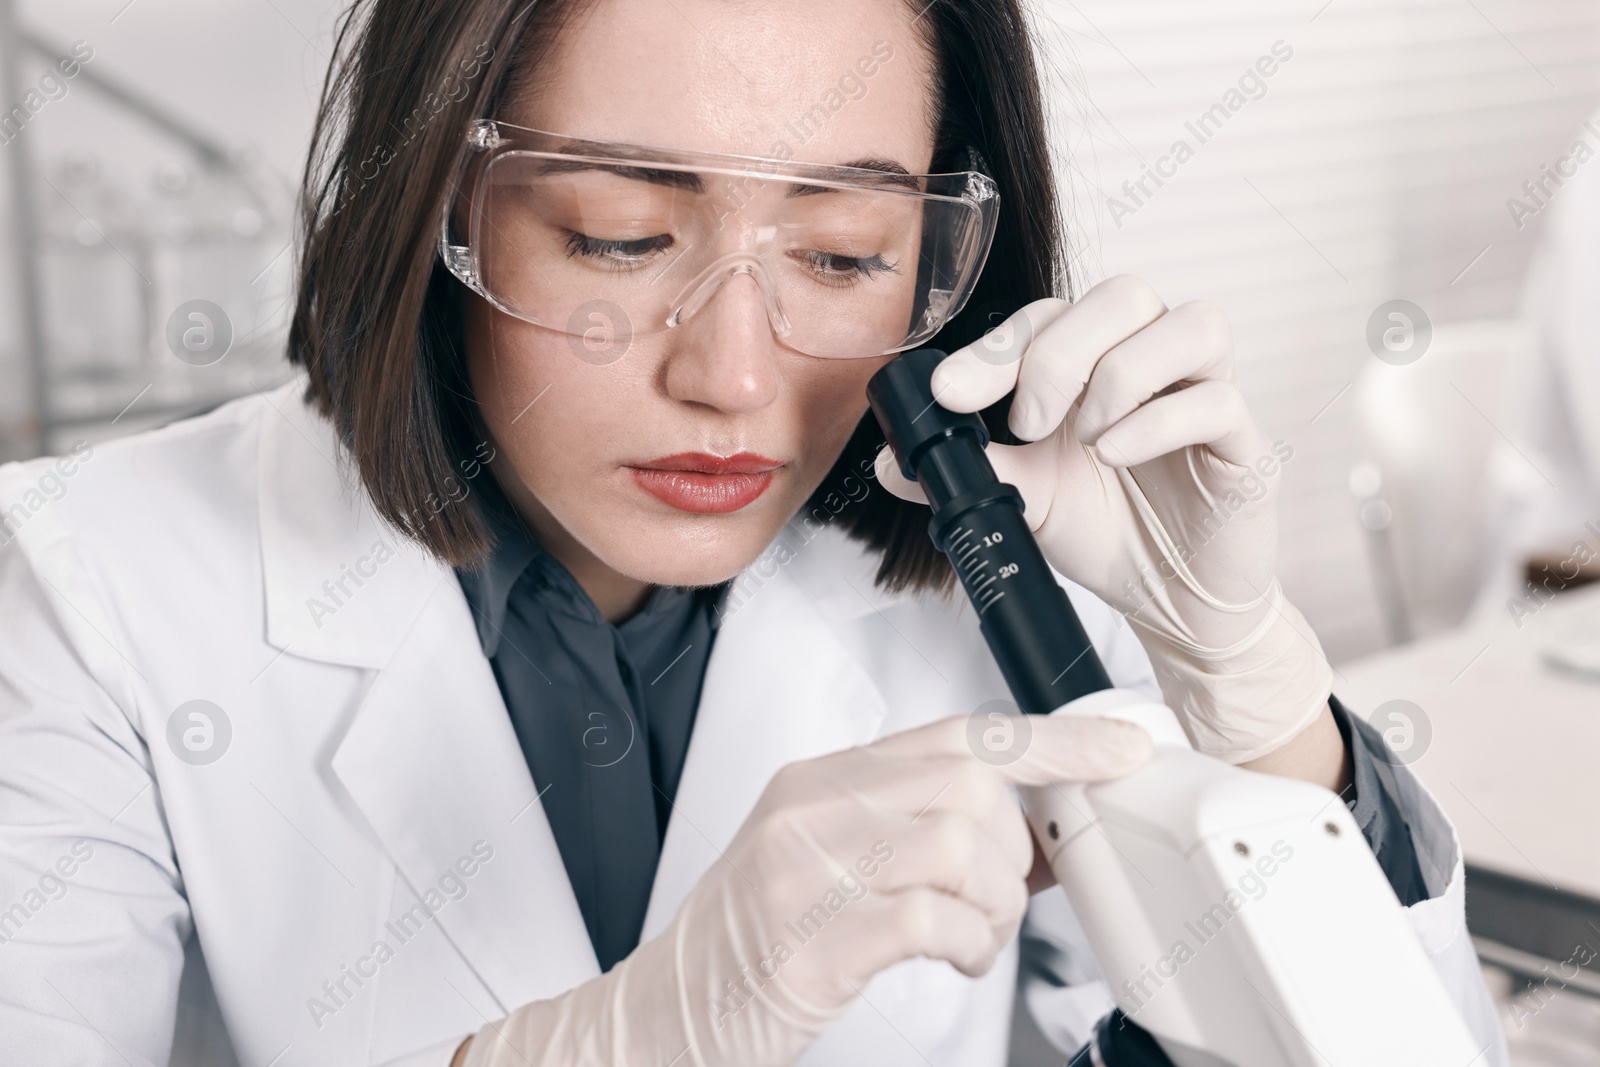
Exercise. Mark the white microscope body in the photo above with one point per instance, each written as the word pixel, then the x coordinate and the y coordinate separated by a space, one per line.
pixel 1241 918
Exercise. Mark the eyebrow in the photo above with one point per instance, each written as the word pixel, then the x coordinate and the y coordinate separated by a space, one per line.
pixel 677 179
pixel 894 174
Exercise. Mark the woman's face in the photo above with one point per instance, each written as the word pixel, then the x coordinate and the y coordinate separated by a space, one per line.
pixel 736 76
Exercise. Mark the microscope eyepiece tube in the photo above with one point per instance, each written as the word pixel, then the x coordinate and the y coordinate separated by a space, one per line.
pixel 1025 616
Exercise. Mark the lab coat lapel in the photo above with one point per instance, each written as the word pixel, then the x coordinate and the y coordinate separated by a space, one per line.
pixel 430 756
pixel 780 687
pixel 436 768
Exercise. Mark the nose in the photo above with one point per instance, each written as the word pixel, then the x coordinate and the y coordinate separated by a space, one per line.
pixel 723 355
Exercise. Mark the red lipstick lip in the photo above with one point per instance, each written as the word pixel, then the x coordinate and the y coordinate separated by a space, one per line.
pixel 706 463
pixel 705 484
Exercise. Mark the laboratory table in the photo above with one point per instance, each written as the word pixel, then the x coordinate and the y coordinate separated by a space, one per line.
pixel 1501 721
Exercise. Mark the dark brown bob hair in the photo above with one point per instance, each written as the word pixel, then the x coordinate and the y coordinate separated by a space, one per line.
pixel 377 323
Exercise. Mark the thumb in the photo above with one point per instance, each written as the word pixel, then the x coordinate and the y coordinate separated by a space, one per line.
pixel 1076 748
pixel 887 468
pixel 1033 468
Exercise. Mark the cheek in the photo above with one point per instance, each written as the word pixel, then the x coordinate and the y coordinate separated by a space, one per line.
pixel 540 402
pixel 832 398
pixel 509 364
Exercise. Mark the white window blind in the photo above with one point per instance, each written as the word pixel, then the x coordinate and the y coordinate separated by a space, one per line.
pixel 1374 163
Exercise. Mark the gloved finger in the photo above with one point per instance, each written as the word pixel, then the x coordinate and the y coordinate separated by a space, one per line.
pixel 1031 468
pixel 899 789
pixel 1050 369
pixel 889 476
pixel 938 786
pixel 1078 748
pixel 1036 470
pixel 1059 748
pixel 1045 351
pixel 1059 363
pixel 924 922
pixel 1210 413
pixel 976 375
pixel 1009 830
pixel 1193 342
pixel 954 853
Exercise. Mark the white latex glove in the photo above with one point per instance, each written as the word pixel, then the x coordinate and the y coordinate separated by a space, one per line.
pixel 907 847
pixel 1147 482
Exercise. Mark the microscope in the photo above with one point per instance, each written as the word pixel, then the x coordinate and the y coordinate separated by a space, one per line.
pixel 1239 919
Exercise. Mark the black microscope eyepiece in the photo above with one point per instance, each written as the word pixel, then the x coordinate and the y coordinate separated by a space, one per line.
pixel 977 521
pixel 901 395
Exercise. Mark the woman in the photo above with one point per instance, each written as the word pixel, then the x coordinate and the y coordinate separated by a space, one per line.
pixel 547 675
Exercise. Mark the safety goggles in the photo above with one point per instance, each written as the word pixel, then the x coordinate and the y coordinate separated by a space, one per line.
pixel 850 261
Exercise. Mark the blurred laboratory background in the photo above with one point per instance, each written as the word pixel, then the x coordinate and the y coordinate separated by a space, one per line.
pixel 1396 201
pixel 150 154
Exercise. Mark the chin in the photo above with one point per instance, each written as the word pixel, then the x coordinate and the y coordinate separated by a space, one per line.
pixel 700 551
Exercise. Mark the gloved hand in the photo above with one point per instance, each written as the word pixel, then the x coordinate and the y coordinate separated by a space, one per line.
pixel 848 863
pixel 1147 482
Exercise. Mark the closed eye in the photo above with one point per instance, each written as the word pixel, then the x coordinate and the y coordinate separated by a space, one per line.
pixel 831 268
pixel 614 252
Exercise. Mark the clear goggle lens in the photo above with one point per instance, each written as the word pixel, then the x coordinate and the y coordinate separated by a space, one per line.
pixel 850 262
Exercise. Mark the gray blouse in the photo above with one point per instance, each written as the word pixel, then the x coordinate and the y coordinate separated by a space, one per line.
pixel 603 713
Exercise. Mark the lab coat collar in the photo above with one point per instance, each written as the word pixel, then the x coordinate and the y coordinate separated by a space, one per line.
pixel 342 586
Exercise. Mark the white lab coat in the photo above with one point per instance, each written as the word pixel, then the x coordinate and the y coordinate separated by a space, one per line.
pixel 372 765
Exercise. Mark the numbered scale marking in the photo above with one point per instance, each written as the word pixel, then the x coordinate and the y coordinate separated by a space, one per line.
pixel 972 555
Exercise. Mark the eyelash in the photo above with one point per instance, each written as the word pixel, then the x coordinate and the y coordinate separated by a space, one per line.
pixel 620 253
pixel 860 267
pixel 623 254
